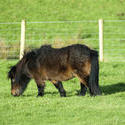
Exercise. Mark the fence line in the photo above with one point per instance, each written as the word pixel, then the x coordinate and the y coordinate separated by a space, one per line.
pixel 86 31
pixel 9 29
pixel 61 29
pixel 52 22
pixel 59 39
pixel 101 40
pixel 22 41
pixel 68 33
pixel 10 23
pixel 112 21
pixel 82 21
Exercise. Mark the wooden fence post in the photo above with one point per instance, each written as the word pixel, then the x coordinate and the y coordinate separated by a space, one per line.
pixel 22 41
pixel 101 56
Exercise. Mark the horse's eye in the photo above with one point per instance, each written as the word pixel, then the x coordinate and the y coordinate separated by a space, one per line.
pixel 13 80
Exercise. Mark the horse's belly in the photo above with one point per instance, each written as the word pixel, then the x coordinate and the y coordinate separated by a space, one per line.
pixel 62 76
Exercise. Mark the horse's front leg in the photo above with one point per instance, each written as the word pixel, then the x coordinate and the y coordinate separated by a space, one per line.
pixel 60 88
pixel 40 86
pixel 83 90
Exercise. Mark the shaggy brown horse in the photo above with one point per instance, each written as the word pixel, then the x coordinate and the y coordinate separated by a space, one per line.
pixel 56 65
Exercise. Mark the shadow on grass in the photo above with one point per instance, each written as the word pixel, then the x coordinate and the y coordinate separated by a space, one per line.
pixel 30 95
pixel 68 93
pixel 107 90
pixel 114 88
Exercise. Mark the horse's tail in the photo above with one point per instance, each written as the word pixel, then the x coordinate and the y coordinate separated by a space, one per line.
pixel 94 74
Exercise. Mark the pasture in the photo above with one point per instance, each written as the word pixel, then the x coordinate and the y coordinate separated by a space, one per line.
pixel 107 109
pixel 62 34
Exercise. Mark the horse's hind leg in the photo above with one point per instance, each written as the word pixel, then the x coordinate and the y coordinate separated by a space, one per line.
pixel 83 82
pixel 60 88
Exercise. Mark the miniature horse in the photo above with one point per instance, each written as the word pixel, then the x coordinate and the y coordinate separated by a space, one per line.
pixel 57 65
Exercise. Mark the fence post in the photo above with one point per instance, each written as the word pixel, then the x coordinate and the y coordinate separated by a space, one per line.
pixel 101 56
pixel 22 41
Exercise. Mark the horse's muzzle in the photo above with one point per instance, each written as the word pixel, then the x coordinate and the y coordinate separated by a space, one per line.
pixel 15 92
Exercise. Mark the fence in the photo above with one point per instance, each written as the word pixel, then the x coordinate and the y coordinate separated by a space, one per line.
pixel 108 37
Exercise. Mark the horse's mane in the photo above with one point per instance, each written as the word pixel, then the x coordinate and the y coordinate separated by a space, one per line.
pixel 31 55
pixel 12 71
pixel 46 46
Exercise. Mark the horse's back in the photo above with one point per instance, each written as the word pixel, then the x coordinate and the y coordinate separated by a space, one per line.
pixel 63 63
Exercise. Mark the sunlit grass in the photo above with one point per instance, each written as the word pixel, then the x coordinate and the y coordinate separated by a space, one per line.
pixel 107 109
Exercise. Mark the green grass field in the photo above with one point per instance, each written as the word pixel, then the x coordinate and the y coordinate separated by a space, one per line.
pixel 108 109
pixel 59 34
pixel 27 109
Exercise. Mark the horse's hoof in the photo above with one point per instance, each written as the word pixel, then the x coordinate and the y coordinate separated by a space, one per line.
pixel 40 95
pixel 98 93
pixel 63 94
pixel 79 93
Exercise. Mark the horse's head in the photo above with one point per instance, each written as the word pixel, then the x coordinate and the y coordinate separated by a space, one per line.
pixel 19 79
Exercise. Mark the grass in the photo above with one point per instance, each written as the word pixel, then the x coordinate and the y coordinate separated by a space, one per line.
pixel 60 34
pixel 107 109
pixel 47 10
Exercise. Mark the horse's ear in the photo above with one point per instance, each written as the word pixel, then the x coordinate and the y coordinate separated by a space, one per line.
pixel 12 72
pixel 25 52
